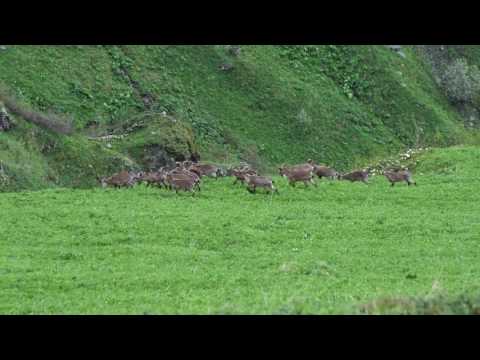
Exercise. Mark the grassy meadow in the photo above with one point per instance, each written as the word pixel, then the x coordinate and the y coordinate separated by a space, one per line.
pixel 323 250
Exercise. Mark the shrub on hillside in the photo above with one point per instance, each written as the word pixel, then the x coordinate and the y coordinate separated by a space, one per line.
pixel 461 82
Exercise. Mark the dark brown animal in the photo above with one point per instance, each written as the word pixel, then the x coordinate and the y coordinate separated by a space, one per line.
pixel 204 170
pixel 359 175
pixel 254 181
pixel 241 175
pixel 154 178
pixel 240 168
pixel 122 179
pixel 190 174
pixel 299 173
pixel 181 182
pixel 324 171
pixel 398 176
pixel 307 166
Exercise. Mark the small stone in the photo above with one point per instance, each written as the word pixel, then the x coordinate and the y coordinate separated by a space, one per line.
pixel 3 47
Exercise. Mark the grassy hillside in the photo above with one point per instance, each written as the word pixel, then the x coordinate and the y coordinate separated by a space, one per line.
pixel 329 249
pixel 341 105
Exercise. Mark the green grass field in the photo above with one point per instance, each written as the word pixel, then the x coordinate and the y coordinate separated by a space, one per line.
pixel 226 251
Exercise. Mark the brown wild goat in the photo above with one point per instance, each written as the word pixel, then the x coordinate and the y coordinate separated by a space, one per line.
pixel 398 176
pixel 254 181
pixel 154 178
pixel 309 165
pixel 122 179
pixel 181 182
pixel 190 174
pixel 240 168
pixel 240 175
pixel 297 174
pixel 323 171
pixel 359 175
pixel 204 170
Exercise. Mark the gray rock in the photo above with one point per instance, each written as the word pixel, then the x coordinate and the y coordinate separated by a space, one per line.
pixel 3 47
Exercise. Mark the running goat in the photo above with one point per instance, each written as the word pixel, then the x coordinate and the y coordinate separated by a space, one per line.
pixel 399 176
pixel 254 181
pixel 358 175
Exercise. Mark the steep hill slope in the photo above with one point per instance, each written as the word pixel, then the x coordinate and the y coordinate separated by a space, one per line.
pixel 341 105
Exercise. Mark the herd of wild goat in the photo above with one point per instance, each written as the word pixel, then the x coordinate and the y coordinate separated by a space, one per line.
pixel 187 175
